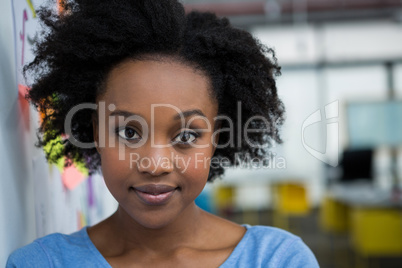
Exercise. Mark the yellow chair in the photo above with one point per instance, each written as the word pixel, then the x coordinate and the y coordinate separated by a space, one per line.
pixel 289 199
pixel 334 215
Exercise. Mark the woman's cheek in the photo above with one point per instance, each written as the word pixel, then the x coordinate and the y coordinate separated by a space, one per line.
pixel 197 166
pixel 112 166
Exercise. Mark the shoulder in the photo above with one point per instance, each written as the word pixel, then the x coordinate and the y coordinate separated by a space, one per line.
pixel 49 251
pixel 271 236
pixel 272 247
pixel 28 256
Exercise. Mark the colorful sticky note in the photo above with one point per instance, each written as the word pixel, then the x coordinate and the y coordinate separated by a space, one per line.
pixel 24 104
pixel 81 220
pixel 72 177
pixel 22 90
pixel 53 148
pixel 91 195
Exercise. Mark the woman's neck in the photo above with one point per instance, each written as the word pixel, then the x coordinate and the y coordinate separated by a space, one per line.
pixel 183 231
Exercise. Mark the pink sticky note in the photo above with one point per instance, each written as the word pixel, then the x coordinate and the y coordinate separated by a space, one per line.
pixel 72 177
pixel 24 105
pixel 22 90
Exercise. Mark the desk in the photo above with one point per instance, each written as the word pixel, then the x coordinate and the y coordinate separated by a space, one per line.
pixel 376 231
pixel 372 219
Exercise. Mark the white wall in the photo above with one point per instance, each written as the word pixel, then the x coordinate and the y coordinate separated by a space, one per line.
pixel 21 192
pixel 334 42
pixel 398 80
pixel 16 192
pixel 362 41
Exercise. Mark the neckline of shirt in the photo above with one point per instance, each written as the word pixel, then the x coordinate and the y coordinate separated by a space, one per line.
pixel 233 256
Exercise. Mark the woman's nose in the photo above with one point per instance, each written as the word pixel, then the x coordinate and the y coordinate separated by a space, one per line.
pixel 156 160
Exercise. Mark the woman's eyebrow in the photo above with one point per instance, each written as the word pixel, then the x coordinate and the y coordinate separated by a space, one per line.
pixel 123 113
pixel 189 113
pixel 176 117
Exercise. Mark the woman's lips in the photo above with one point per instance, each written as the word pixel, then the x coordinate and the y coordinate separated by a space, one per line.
pixel 154 194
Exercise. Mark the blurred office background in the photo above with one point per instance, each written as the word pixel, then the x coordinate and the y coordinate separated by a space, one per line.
pixel 336 181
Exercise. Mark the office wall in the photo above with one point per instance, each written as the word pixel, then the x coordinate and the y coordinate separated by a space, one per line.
pixel 16 207
pixel 33 199
pixel 324 65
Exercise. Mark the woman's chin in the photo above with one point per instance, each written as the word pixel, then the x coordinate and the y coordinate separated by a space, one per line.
pixel 155 223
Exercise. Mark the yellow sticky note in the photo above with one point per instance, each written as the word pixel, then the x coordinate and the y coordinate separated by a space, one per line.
pixel 81 220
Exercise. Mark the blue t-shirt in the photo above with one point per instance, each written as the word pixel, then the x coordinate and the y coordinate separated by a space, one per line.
pixel 261 246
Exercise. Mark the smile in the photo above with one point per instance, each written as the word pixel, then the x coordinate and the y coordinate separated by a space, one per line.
pixel 154 194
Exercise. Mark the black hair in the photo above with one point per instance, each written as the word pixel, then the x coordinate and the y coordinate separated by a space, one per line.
pixel 83 43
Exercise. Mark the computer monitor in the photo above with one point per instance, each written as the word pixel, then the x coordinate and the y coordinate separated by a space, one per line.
pixel 357 164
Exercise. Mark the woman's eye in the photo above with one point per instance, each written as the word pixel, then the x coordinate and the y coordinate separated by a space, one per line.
pixel 128 133
pixel 186 137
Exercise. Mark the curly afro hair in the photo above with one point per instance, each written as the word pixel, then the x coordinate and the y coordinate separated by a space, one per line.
pixel 84 42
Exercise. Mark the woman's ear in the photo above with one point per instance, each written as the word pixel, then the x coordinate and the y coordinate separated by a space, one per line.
pixel 95 130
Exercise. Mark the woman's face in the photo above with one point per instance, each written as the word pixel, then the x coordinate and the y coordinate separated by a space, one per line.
pixel 157 138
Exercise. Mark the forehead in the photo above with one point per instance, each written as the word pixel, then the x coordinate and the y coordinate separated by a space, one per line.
pixel 136 85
